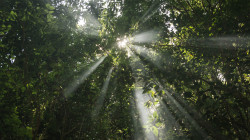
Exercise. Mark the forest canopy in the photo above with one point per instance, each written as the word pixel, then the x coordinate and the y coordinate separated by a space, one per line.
pixel 124 69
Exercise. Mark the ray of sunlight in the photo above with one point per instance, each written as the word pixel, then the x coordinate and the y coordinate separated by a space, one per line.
pixel 99 102
pixel 141 98
pixel 90 23
pixel 169 120
pixel 146 37
pixel 136 122
pixel 186 114
pixel 72 87
pixel 144 112
pixel 151 11
pixel 148 54
pixel 175 103
pixel 224 42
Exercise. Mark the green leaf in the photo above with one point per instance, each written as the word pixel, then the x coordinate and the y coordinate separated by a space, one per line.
pixel 23 89
pixel 139 69
pixel 158 124
pixel 155 131
pixel 156 102
pixel 50 7
pixel 155 115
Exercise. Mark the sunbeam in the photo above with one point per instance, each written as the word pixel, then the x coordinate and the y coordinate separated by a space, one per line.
pixel 148 54
pixel 146 37
pixel 144 113
pixel 186 110
pixel 153 9
pixel 82 78
pixel 100 100
pixel 141 98
pixel 125 69
pixel 221 42
pixel 185 113
pixel 91 24
pixel 169 120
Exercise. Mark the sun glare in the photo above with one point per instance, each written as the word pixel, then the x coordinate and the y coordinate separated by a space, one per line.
pixel 81 22
pixel 122 43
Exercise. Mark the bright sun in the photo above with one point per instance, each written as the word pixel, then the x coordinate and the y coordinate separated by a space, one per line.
pixel 123 43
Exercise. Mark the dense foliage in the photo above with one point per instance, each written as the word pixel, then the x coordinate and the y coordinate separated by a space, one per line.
pixel 63 80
